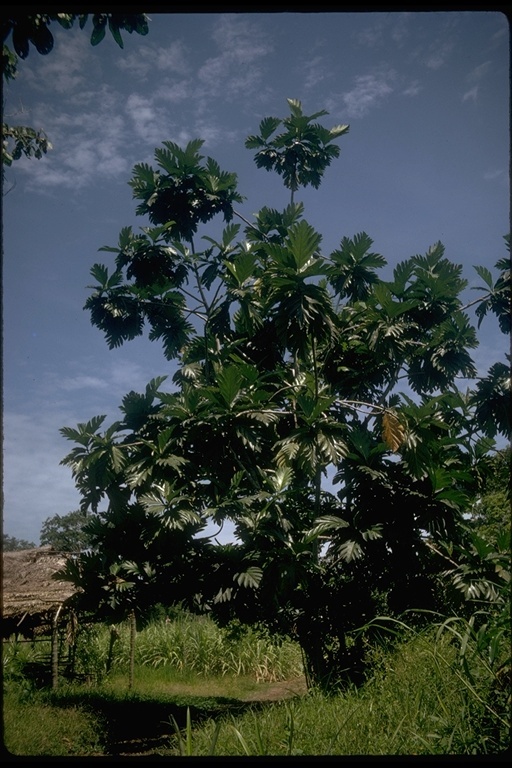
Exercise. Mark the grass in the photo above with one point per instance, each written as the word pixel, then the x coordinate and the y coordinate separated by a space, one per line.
pixel 35 727
pixel 419 701
pixel 415 704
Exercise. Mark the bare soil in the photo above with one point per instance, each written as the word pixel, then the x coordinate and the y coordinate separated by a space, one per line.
pixel 284 689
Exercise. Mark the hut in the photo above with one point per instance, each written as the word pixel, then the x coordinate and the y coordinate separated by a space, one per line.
pixel 33 601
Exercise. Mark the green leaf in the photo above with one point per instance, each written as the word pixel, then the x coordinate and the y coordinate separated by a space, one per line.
pixel 249 578
pixel 350 550
pixel 280 479
pixel 267 127
pixel 325 524
pixel 229 381
pixel 98 32
pixel 303 242
pixel 486 276
pixel 242 268
pixel 85 431
pixel 116 34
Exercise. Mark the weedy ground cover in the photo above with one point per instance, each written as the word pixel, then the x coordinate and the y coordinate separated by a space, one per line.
pixel 419 700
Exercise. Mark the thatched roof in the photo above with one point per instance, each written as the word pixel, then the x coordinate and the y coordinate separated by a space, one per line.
pixel 28 589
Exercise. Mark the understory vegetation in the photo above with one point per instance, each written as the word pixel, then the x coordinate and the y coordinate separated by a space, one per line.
pixel 203 690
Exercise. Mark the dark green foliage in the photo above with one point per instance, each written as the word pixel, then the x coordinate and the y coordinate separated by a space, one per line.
pixel 291 367
pixel 302 152
pixel 187 193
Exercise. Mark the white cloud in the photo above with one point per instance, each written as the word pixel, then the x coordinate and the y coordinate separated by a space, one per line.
pixel 240 38
pixel 36 486
pixel 171 59
pixel 439 54
pixel 475 78
pixel 234 71
pixel 400 29
pixel 498 174
pixel 174 92
pixel 384 27
pixel 369 92
pixel 150 123
pixel 471 94
pixel 82 382
pixel 66 69
pixel 479 72
pixel 413 89
pixel 315 72
pixel 86 144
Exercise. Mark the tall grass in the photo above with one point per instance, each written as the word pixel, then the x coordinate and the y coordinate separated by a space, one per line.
pixel 416 703
pixel 191 644
pixel 188 644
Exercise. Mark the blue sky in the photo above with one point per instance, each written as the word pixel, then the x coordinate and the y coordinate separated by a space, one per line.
pixel 426 96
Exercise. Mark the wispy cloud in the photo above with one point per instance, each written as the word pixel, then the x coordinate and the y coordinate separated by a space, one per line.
pixel 36 486
pixel 471 94
pixel 242 44
pixel 438 54
pixel 87 144
pixel 93 130
pixel 497 174
pixel 150 122
pixel 475 78
pixel 173 59
pixel 384 28
pixel 315 71
pixel 67 72
pixel 368 92
pixel 412 89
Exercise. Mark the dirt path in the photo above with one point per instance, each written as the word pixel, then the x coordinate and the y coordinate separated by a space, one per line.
pixel 285 689
pixel 124 745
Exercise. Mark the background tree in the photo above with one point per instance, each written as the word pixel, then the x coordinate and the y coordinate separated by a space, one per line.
pixel 490 514
pixel 65 533
pixel 20 32
pixel 12 544
pixel 291 367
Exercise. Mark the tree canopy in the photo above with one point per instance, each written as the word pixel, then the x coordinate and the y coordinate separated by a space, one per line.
pixel 310 402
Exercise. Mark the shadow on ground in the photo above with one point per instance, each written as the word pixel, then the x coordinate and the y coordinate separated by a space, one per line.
pixel 138 725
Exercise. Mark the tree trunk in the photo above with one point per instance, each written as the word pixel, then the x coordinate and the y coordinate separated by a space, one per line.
pixel 313 652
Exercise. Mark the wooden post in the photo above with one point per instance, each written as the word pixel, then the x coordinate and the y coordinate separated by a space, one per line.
pixel 133 630
pixel 55 648
pixel 113 637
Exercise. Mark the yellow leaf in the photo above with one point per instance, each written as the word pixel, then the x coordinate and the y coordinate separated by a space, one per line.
pixel 393 432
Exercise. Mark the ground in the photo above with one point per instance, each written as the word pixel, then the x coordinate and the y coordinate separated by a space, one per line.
pixel 284 689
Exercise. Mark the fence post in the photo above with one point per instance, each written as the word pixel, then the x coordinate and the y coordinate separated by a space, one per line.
pixel 55 648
